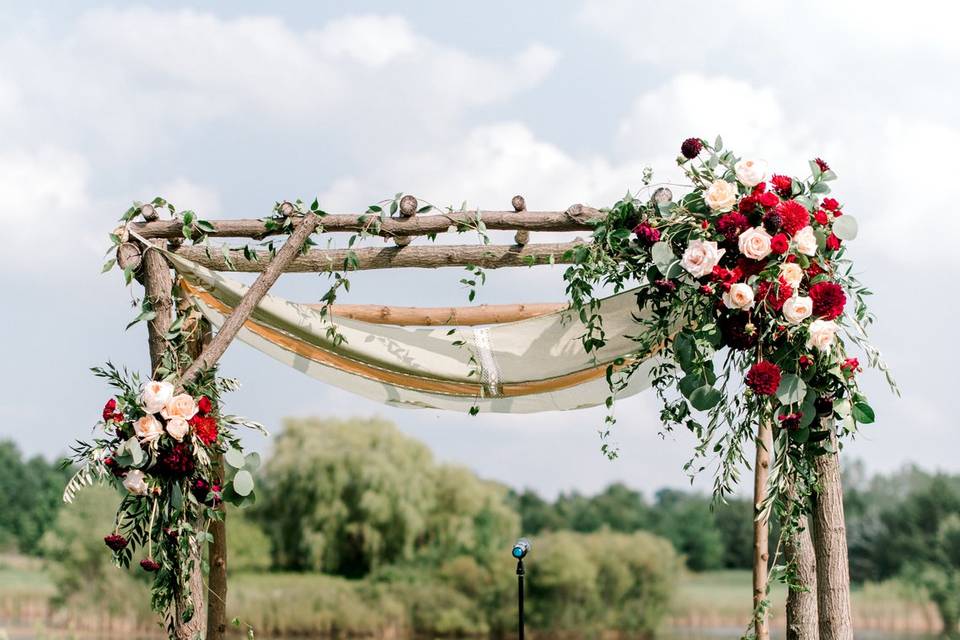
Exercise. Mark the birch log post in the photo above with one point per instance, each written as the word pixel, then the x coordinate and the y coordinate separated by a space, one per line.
pixel 761 530
pixel 802 621
pixel 232 325
pixel 830 547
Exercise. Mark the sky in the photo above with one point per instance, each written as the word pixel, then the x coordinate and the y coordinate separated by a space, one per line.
pixel 226 108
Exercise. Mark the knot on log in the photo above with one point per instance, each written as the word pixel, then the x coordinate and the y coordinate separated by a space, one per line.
pixel 581 213
pixel 519 204
pixel 408 206
pixel 149 212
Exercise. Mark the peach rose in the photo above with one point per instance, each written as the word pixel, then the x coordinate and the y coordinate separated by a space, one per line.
pixel 180 406
pixel 136 483
pixel 700 257
pixel 755 243
pixel 806 242
pixel 792 273
pixel 750 172
pixel 148 428
pixel 740 296
pixel 155 395
pixel 797 309
pixel 721 196
pixel 177 428
pixel 822 334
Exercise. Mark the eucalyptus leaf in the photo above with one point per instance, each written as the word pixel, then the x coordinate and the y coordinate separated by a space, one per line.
pixel 845 227
pixel 243 482
pixel 136 452
pixel 234 458
pixel 705 397
pixel 252 461
pixel 792 389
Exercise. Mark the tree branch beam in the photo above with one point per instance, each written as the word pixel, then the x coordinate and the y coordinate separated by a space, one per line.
pixel 443 316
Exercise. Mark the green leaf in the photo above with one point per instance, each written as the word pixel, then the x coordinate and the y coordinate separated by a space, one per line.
pixel 685 349
pixel 718 144
pixel 689 383
pixel 234 458
pixel 243 482
pixel 136 452
pixel 176 496
pixel 845 227
pixel 820 187
pixel 252 461
pixel 108 265
pixel 704 397
pixel 792 389
pixel 863 413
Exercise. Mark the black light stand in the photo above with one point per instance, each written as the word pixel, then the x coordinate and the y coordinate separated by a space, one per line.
pixel 520 596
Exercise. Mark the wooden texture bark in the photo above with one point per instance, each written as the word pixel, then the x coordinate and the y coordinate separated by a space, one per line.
pixel 443 316
pixel 802 623
pixel 761 530
pixel 578 217
pixel 217 580
pixel 414 256
pixel 231 326
pixel 830 547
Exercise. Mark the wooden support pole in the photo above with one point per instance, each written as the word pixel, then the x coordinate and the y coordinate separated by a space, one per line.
pixel 231 326
pixel 577 217
pixel 443 316
pixel 761 529
pixel 830 546
pixel 414 256
pixel 802 623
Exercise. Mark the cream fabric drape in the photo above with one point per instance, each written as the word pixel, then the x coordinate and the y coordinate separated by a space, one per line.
pixel 527 366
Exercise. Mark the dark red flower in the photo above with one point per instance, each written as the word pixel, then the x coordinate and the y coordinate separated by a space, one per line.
pixel 115 467
pixel 749 267
pixel 775 294
pixel 205 428
pixel 828 300
pixel 833 242
pixel 790 421
pixel 794 216
pixel 814 270
pixel 204 405
pixel 822 164
pixel 821 216
pixel 850 366
pixel 663 284
pixel 732 224
pixel 782 185
pixel 830 204
pixel 737 332
pixel 772 222
pixel 706 289
pixel 149 564
pixel 805 361
pixel 764 378
pixel 779 244
pixel 691 148
pixel 646 234
pixel 177 461
pixel 115 541
pixel 768 199
pixel 823 405
pixel 110 411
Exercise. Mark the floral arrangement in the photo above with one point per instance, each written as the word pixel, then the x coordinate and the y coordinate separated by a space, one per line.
pixel 752 307
pixel 161 448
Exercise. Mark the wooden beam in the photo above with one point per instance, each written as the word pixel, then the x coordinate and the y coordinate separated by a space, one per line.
pixel 761 530
pixel 231 326
pixel 576 218
pixel 443 316
pixel 419 256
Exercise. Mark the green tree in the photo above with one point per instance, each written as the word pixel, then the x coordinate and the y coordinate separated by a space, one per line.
pixel 248 547
pixel 30 498
pixel 686 520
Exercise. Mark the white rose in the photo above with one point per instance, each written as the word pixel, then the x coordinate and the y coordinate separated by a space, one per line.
pixel 179 406
pixel 740 296
pixel 797 309
pixel 755 243
pixel 806 242
pixel 751 172
pixel 701 257
pixel 154 395
pixel 135 483
pixel 792 273
pixel 721 196
pixel 147 428
pixel 822 334
pixel 177 428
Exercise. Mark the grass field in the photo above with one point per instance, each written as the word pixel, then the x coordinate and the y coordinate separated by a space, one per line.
pixel 318 605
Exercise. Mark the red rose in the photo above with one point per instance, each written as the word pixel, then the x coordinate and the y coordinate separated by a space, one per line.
pixel 774 293
pixel 833 242
pixel 205 428
pixel 821 216
pixel 779 244
pixel 782 185
pixel 830 204
pixel 850 366
pixel 731 225
pixel 110 411
pixel 805 361
pixel 793 216
pixel 764 378
pixel 828 300
pixel 768 199
pixel 204 405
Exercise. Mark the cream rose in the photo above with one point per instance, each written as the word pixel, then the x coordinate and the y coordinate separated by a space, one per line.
pixel 755 243
pixel 136 483
pixel 740 296
pixel 806 242
pixel 180 406
pixel 701 257
pixel 177 428
pixel 797 309
pixel 750 172
pixel 822 334
pixel 147 428
pixel 792 273
pixel 721 196
pixel 155 394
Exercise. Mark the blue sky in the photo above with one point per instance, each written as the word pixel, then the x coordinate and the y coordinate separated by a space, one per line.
pixel 226 108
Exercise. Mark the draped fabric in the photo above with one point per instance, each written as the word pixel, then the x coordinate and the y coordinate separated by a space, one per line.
pixel 527 366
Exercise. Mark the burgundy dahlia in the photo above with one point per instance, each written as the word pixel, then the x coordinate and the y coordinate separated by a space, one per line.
pixel 731 225
pixel 764 378
pixel 178 461
pixel 691 148
pixel 828 300
pixel 737 332
pixel 149 564
pixel 646 234
pixel 772 222
pixel 115 541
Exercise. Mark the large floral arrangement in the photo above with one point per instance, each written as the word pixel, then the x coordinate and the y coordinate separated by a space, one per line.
pixel 749 299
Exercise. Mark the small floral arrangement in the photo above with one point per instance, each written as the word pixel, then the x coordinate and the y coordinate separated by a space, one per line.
pixel 746 294
pixel 161 449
